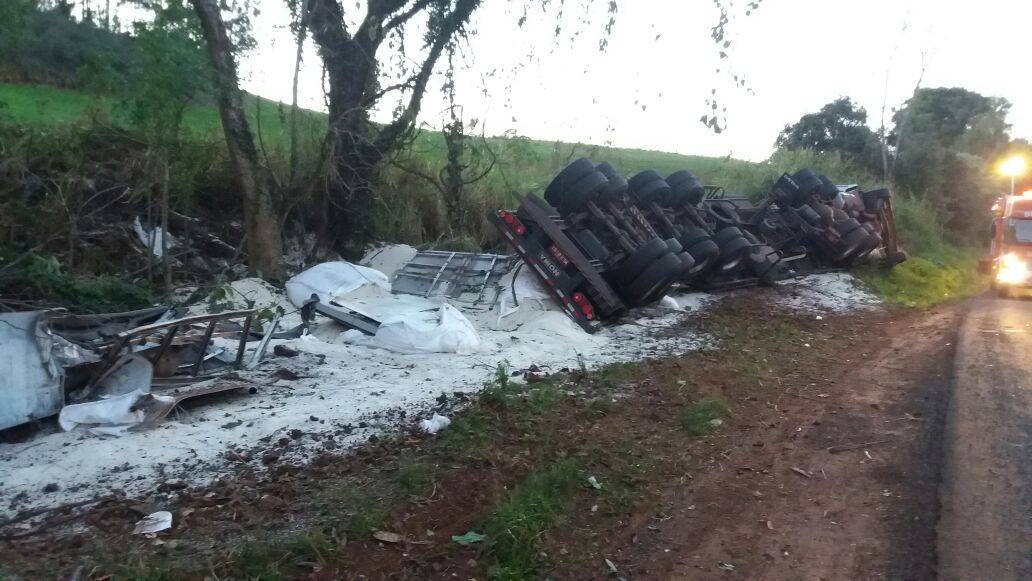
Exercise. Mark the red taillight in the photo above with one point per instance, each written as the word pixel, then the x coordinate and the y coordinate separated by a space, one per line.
pixel 584 304
pixel 512 221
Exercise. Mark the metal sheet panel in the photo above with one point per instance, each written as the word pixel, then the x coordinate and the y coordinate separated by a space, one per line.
pixel 28 389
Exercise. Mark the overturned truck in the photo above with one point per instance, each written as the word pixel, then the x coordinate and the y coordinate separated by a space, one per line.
pixel 603 244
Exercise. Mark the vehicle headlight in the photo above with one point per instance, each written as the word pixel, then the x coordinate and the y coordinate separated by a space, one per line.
pixel 1013 269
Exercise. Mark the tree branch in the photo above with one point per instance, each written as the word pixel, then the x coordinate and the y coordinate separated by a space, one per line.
pixel 405 16
pixel 452 24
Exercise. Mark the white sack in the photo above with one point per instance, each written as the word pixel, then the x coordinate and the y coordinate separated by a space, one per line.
pixel 332 279
pixel 445 330
pixel 113 411
pixel 435 424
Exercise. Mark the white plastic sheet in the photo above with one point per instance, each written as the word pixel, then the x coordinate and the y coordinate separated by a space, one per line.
pixel 153 238
pixel 445 330
pixel 332 279
pixel 155 522
pixel 111 416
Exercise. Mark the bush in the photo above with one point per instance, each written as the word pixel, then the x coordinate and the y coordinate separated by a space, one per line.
pixel 40 278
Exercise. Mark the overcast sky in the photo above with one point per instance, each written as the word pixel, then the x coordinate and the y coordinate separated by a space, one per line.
pixel 649 88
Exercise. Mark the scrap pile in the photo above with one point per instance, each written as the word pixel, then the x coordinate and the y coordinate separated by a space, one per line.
pixel 603 243
pixel 118 372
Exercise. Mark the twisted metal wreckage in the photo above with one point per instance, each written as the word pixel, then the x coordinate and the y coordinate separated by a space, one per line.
pixel 600 244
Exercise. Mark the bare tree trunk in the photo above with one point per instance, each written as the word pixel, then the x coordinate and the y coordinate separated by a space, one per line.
pixel 905 118
pixel 295 130
pixel 264 241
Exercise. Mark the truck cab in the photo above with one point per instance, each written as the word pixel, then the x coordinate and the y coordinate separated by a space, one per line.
pixel 1010 253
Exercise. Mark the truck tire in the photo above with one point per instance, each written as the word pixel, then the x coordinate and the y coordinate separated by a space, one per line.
pixel 640 179
pixel 615 189
pixel 727 234
pixel 679 176
pixel 567 177
pixel 733 252
pixel 763 262
pixel 634 264
pixel 810 216
pixel 693 236
pixel 657 277
pixel 723 212
pixel 673 245
pixel 687 192
pixel 828 189
pixel 809 184
pixel 850 243
pixel 705 252
pixel 578 195
pixel 648 186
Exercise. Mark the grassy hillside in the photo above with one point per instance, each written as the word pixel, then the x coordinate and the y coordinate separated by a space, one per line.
pixel 411 210
pixel 536 160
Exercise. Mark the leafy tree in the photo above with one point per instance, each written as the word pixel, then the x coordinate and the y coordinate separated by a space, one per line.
pixel 947 141
pixel 839 126
pixel 172 73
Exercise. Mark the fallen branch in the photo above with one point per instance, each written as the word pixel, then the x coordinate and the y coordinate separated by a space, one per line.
pixel 847 447
pixel 801 472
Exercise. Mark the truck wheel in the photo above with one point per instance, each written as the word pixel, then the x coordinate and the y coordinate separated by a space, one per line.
pixel 679 176
pixel 567 177
pixel 764 262
pixel 694 235
pixel 580 193
pixel 687 192
pixel 810 215
pixel 868 246
pixel 617 186
pixel 705 253
pixel 828 189
pixel 809 184
pixel 633 265
pixel 727 234
pixel 673 245
pixel 648 186
pixel 658 276
pixel 733 252
pixel 723 212
pixel 851 242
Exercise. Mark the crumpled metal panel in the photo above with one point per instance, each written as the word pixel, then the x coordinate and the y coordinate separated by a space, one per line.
pixel 30 384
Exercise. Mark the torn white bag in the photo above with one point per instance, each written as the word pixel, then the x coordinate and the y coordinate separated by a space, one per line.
pixel 445 330
pixel 332 279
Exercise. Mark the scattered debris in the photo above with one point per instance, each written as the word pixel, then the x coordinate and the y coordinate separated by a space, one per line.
pixel 802 472
pixel 155 239
pixel 847 447
pixel 460 276
pixel 154 523
pixel 388 537
pixel 468 538
pixel 434 424
pixel 725 566
pixel 593 482
pixel 284 351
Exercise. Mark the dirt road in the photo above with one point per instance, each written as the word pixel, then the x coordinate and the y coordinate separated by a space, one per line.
pixel 986 527
pixel 836 478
